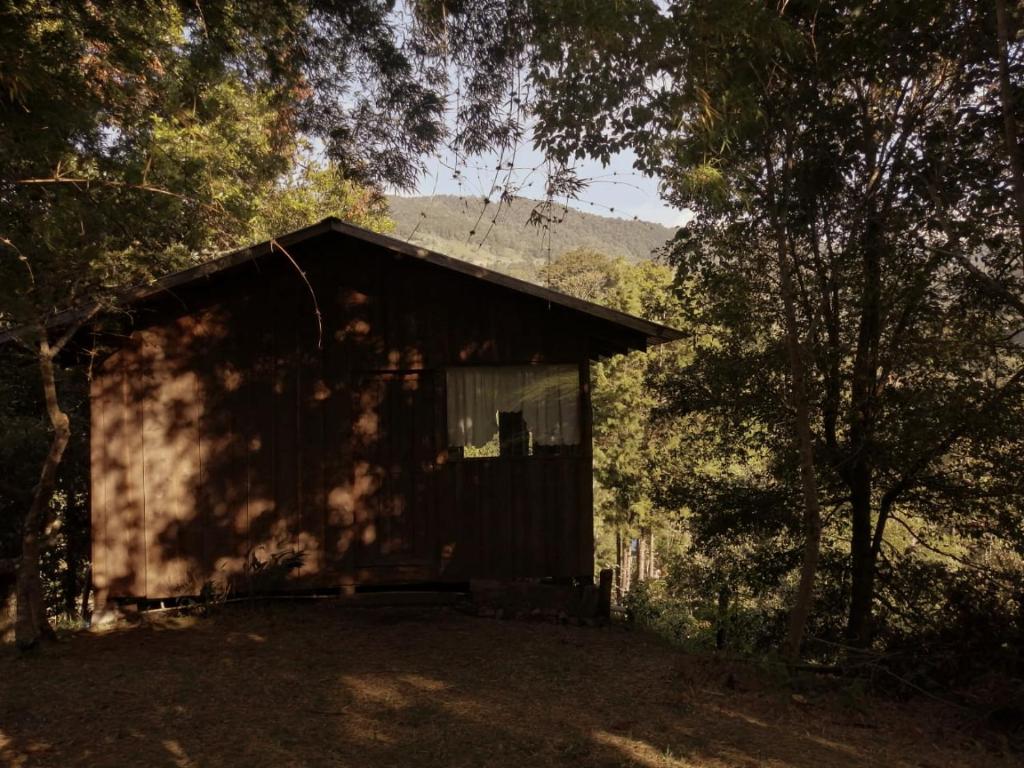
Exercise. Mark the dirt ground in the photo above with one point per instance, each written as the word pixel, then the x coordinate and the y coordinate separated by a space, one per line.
pixel 324 685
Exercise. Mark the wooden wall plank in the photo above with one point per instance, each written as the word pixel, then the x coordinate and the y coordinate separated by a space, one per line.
pixel 312 394
pixel 100 474
pixel 287 397
pixel 225 432
pixel 125 528
pixel 186 391
pixel 259 351
pixel 535 534
pixel 119 559
pixel 425 482
pixel 272 461
pixel 340 533
pixel 585 476
pixel 170 433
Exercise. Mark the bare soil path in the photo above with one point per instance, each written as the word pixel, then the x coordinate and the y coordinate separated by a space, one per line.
pixel 320 685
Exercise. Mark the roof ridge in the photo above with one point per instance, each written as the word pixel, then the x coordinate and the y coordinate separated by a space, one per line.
pixel 655 333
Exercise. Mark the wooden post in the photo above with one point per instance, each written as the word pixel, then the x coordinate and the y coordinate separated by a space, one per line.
pixel 104 610
pixel 618 566
pixel 724 594
pixel 604 594
pixel 8 604
pixel 626 575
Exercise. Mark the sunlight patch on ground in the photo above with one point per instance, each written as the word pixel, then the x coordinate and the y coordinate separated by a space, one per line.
pixel 423 683
pixel 837 745
pixel 181 759
pixel 8 755
pixel 748 719
pixel 642 753
pixel 375 690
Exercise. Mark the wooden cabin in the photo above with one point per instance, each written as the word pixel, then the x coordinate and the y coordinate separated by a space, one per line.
pixel 369 411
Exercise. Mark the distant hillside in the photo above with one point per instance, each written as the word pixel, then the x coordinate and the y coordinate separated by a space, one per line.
pixel 443 223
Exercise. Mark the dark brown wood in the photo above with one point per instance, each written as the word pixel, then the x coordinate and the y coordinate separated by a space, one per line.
pixel 604 593
pixel 226 428
pixel 101 474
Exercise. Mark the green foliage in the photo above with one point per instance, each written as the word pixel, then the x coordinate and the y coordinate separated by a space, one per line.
pixel 140 138
pixel 864 141
pixel 135 137
pixel 314 193
pixel 585 274
pixel 22 447
pixel 649 607
pixel 630 446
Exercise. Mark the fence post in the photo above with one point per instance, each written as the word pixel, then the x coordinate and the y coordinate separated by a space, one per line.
pixel 604 594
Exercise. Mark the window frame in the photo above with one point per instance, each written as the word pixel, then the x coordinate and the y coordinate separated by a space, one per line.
pixel 563 451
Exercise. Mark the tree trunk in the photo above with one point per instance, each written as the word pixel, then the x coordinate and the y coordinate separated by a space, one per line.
pixel 1010 136
pixel 31 624
pixel 859 472
pixel 86 612
pixel 801 609
pixel 626 575
pixel 804 598
pixel 650 553
pixel 8 603
pixel 618 566
pixel 724 594
pixel 862 558
pixel 70 585
pixel 641 556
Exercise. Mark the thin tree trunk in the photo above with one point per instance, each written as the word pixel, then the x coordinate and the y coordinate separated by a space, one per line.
pixel 618 566
pixel 724 594
pixel 627 564
pixel 31 624
pixel 804 598
pixel 641 556
pixel 1010 135
pixel 650 553
pixel 8 602
pixel 70 585
pixel 801 609
pixel 86 612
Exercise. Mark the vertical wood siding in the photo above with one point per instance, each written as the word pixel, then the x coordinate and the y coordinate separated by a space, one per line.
pixel 229 427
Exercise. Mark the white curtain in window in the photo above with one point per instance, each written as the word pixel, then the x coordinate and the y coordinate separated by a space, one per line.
pixel 546 395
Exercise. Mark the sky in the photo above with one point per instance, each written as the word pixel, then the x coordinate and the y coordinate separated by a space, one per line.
pixel 616 190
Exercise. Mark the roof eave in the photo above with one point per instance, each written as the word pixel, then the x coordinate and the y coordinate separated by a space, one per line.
pixel 652 333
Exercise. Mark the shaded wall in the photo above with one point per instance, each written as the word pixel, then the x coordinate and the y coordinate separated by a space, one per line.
pixel 231 423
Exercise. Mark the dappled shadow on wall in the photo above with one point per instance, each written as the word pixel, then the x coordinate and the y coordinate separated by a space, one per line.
pixel 271 447
pixel 243 440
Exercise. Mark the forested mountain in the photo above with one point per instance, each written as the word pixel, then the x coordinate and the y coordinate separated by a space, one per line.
pixel 512 245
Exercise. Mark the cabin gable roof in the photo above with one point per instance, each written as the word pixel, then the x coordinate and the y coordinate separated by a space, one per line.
pixel 646 333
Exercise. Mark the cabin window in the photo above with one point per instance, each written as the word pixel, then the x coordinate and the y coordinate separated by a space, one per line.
pixel 510 411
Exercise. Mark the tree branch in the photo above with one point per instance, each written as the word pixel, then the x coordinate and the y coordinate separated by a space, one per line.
pixel 986 572
pixel 909 478
pixel 122 185
pixel 73 328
